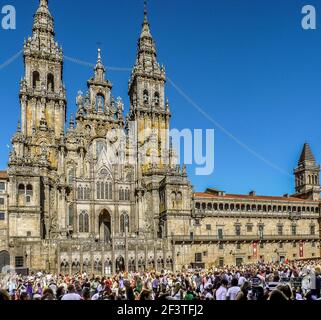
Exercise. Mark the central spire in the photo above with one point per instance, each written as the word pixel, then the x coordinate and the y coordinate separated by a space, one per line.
pixel 43 21
pixel 146 28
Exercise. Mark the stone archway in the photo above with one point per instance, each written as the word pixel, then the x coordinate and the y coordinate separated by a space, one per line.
pixel 105 226
pixel 4 259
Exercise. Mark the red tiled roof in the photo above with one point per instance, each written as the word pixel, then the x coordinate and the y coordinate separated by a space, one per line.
pixel 248 197
pixel 4 175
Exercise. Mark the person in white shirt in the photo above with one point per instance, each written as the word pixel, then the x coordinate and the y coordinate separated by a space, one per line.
pixel 221 292
pixel 71 295
pixel 233 290
pixel 242 279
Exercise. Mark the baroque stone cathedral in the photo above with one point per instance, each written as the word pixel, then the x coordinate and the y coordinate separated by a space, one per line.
pixel 106 194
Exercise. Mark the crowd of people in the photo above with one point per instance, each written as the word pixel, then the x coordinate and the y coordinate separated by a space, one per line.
pixel 278 282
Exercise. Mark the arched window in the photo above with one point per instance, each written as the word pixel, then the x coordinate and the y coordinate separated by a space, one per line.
pixel 98 190
pixel 121 194
pixel 124 223
pixel 71 216
pixel 156 99
pixel 173 199
pixel 110 191
pixel 71 176
pixel 29 190
pixel 127 196
pixel 50 82
pixel 21 189
pixel 81 223
pixel 146 96
pixel 102 190
pixel 87 193
pixel 86 222
pixel 35 79
pixel 100 102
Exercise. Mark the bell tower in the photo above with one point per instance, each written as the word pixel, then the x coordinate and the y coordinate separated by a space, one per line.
pixel 148 106
pixel 42 94
pixel 307 175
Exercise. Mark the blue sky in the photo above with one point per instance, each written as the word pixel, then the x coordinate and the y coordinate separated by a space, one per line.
pixel 248 63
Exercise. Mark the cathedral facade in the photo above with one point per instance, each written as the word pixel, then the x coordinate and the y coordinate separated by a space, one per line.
pixel 105 194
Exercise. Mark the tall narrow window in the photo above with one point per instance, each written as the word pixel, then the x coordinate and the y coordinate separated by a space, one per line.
pixel 156 99
pixel 145 96
pixel 21 189
pixel 71 216
pixel 98 190
pixel 35 79
pixel 110 191
pixel 50 82
pixel 127 196
pixel 81 223
pixel 86 222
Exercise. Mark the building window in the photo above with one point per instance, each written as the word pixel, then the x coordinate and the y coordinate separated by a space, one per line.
pixel 312 230
pixel 124 223
pixel 293 230
pixel 221 262
pixel 281 245
pixel 2 216
pixel 127 195
pixel 313 244
pixel 280 230
pixel 294 244
pixel 121 194
pixel 19 262
pixel 145 96
pixel 35 79
pixel 261 245
pixel 156 99
pixel 221 246
pixel 28 199
pixel 2 186
pixel 50 82
pixel 238 230
pixel 220 234
pixel 261 231
pixel 71 216
pixel 84 222
pixel 249 228
pixel 198 258
pixel 1 201
pixel 28 233
pixel 208 227
pixel 238 246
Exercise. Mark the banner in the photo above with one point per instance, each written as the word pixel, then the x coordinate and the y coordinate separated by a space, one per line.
pixel 255 250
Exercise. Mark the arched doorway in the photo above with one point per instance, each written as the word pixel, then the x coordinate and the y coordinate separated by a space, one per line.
pixel 4 259
pixel 120 264
pixel 105 226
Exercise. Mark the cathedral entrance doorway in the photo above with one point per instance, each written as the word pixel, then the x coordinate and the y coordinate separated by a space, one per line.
pixel 120 264
pixel 4 259
pixel 105 226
